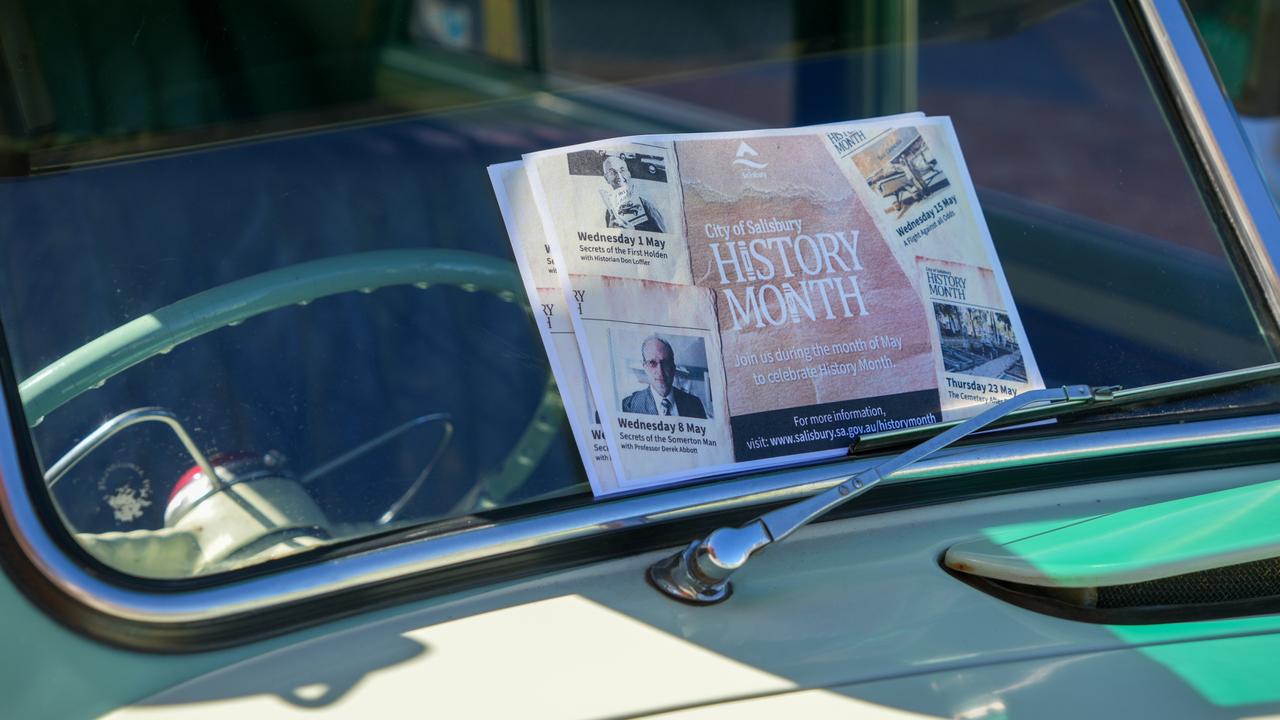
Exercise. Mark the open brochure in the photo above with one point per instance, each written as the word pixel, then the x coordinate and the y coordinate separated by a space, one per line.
pixel 720 302
pixel 546 296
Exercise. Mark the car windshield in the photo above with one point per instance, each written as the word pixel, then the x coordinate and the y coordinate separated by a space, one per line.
pixel 293 198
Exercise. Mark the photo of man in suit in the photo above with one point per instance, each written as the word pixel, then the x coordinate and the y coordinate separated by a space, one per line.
pixel 661 397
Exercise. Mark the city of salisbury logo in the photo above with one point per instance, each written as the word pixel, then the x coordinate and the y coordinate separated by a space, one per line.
pixel 746 151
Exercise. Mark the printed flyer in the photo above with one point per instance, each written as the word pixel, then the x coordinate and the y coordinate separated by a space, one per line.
pixel 546 297
pixel 752 299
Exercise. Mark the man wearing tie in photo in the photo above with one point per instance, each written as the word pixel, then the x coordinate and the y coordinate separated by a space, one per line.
pixel 661 397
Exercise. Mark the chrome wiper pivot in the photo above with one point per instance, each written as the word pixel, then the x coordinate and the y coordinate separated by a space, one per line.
pixel 700 573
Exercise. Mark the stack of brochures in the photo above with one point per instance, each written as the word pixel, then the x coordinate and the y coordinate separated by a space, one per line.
pixel 720 302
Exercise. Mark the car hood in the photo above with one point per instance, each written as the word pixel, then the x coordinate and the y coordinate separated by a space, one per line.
pixel 849 617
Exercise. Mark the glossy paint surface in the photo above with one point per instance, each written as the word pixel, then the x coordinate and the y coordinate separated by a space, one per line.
pixel 848 607
pixel 1121 684
pixel 1159 540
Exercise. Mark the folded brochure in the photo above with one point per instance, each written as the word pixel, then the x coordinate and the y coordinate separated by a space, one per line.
pixel 722 302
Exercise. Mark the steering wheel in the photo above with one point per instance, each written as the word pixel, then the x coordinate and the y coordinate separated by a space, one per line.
pixel 98 360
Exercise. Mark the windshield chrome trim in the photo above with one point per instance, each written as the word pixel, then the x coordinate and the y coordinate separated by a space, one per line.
pixel 172 609
pixel 1218 139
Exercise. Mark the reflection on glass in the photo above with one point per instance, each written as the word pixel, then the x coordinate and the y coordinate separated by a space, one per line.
pixel 1243 40
pixel 151 154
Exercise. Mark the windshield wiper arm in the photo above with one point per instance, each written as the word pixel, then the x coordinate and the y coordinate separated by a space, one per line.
pixel 1174 389
pixel 700 573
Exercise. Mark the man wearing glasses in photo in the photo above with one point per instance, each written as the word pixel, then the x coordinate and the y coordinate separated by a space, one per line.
pixel 662 397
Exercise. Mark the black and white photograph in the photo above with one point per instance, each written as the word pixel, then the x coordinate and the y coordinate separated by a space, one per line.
pixel 632 187
pixel 661 374
pixel 900 168
pixel 980 342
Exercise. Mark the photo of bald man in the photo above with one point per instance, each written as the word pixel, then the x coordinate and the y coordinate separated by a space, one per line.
pixel 662 397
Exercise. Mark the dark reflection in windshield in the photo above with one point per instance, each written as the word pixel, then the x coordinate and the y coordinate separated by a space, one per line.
pixel 311 381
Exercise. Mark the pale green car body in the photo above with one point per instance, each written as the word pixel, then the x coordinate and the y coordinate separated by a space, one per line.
pixel 865 615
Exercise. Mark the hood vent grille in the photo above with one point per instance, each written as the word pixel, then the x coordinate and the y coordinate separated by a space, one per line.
pixel 1251 588
pixel 1234 583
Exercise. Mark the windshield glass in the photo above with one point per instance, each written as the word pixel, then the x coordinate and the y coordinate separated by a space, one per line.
pixel 282 157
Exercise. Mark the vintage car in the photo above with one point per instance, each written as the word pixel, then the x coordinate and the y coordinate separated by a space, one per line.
pixel 280 439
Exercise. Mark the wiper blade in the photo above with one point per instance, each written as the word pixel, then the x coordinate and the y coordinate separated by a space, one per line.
pixel 700 573
pixel 1131 396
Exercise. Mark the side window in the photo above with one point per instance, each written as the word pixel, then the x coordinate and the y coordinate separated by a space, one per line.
pixel 1243 39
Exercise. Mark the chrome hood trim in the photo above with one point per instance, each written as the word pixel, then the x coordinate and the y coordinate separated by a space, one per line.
pixel 438 552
